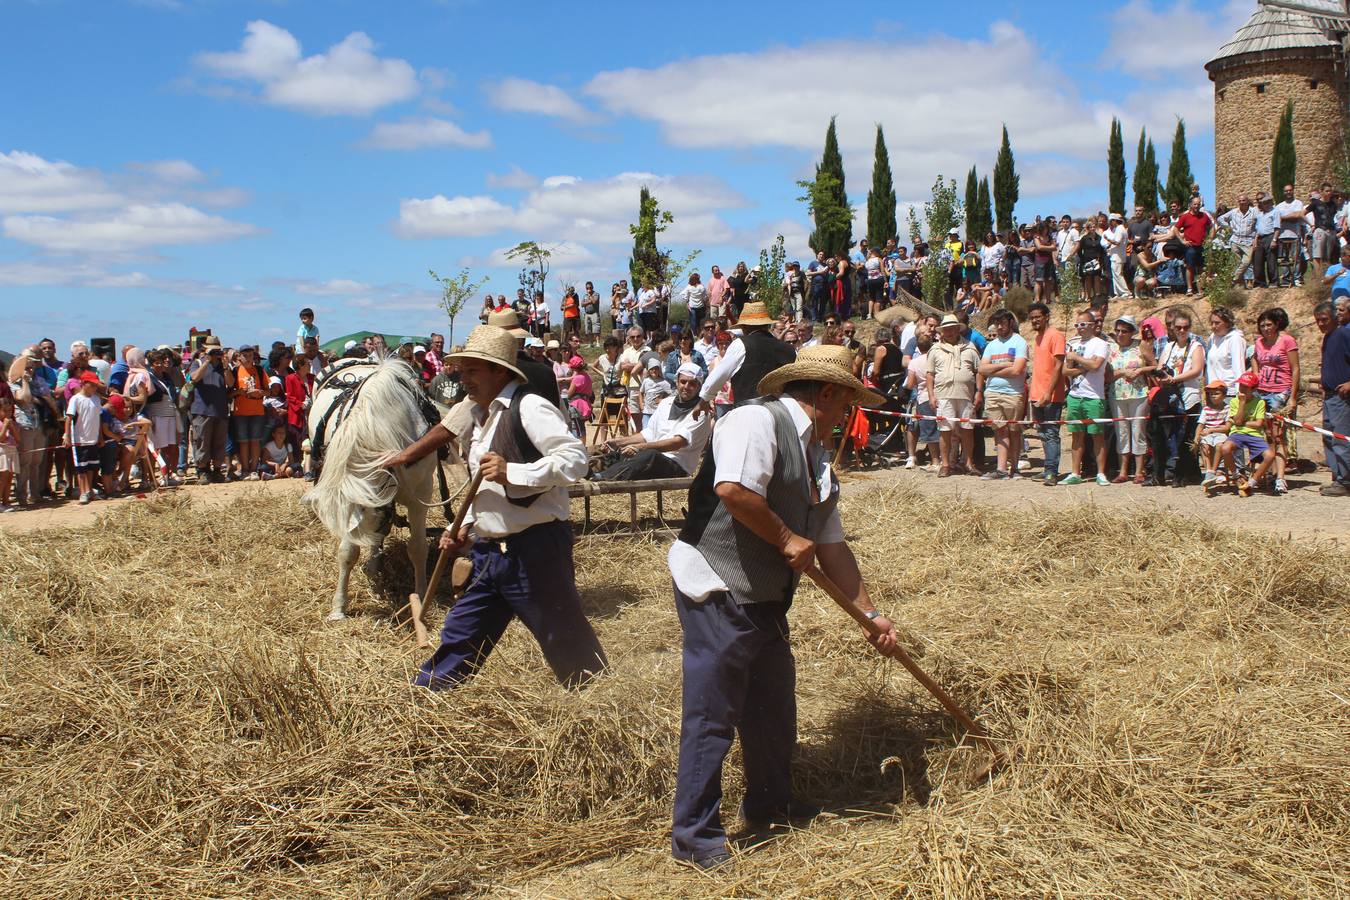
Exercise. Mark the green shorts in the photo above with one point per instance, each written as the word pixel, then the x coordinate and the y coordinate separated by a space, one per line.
pixel 1085 408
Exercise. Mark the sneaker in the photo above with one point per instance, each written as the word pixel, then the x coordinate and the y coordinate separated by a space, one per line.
pixel 1049 480
pixel 171 481
pixel 5 509
pixel 911 463
pixel 60 485
pixel 204 478
pixel 251 476
pixel 1103 480
pixel 135 471
pixel 1071 479
pixel 1013 476
pixel 311 477
pixel 1335 489
pixel 1281 486
pixel 995 475
pixel 84 499
pixel 1023 464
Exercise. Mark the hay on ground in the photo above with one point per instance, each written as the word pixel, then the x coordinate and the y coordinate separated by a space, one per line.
pixel 176 718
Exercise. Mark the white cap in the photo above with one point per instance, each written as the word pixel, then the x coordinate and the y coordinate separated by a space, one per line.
pixel 349 345
pixel 419 349
pixel 689 370
pixel 553 345
pixel 533 342
pixel 274 381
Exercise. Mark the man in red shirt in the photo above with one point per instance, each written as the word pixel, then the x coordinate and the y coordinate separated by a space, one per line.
pixel 1194 225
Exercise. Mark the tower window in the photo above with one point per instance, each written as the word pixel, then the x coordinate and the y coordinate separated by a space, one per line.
pixel 1261 87
pixel 1312 83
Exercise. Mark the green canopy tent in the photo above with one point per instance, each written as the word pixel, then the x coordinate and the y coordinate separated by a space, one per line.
pixel 392 340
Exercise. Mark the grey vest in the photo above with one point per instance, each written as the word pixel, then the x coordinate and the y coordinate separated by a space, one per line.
pixel 753 569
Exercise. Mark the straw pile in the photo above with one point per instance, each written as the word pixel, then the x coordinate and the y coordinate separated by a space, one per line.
pixel 176 719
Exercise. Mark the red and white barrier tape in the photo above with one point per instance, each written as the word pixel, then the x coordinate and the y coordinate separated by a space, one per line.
pixel 1297 424
pixel 868 411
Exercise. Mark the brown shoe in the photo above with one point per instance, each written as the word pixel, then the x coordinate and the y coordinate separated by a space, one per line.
pixel 944 472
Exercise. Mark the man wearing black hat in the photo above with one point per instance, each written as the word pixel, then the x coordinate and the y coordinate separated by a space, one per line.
pixel 747 360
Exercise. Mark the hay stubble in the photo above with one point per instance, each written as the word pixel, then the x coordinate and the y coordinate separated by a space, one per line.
pixel 175 718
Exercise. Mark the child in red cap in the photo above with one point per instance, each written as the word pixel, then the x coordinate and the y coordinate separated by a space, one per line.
pixel 83 434
pixel 1247 419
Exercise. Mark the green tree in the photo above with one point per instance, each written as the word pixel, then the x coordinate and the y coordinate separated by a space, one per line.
pixel 768 284
pixel 912 223
pixel 1006 184
pixel 455 293
pixel 534 274
pixel 1179 177
pixel 943 212
pixel 881 199
pixel 1115 167
pixel 1146 175
pixel 1284 158
pixel 972 201
pixel 827 201
pixel 984 213
pixel 647 265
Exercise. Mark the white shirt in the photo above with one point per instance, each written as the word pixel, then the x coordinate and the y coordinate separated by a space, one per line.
pixel 1113 239
pixel 85 413
pixel 1065 240
pixel 907 334
pixel 1291 208
pixel 695 296
pixel 991 257
pixel 744 446
pixel 647 299
pixel 1226 359
pixel 1091 385
pixel 709 351
pixel 695 432
pixel 564 462
pixel 731 364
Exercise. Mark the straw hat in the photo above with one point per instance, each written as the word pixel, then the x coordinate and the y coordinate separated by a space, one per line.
pixel 755 314
pixel 509 320
pixel 491 344
pixel 828 363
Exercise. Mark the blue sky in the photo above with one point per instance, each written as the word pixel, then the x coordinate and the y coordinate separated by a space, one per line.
pixel 170 163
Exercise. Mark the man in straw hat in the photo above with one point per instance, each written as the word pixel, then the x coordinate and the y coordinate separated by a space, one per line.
pixel 539 375
pixel 762 509
pixel 522 539
pixel 748 359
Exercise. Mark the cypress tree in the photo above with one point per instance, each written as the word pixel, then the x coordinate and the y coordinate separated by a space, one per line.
pixel 881 199
pixel 829 201
pixel 1145 188
pixel 1151 188
pixel 645 266
pixel 1179 177
pixel 1115 167
pixel 984 212
pixel 1284 159
pixel 972 200
pixel 1006 184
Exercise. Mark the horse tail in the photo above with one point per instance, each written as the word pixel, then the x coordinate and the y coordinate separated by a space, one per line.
pixel 383 417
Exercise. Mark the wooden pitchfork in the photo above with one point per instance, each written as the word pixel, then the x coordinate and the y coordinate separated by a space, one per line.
pixel 837 594
pixel 415 606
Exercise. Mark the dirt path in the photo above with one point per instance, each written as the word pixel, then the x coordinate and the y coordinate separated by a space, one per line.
pixel 1302 513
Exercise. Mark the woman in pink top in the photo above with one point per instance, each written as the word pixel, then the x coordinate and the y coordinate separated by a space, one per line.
pixel 1275 362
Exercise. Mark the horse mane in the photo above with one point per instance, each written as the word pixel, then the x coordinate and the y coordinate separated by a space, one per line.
pixel 384 417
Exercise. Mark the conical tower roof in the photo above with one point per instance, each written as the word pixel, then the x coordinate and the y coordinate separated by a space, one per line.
pixel 1277 30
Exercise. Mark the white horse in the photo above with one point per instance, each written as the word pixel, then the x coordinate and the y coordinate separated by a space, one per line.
pixel 367 410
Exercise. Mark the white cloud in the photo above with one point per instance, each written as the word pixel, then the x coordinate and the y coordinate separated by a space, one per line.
pixel 524 96
pixel 929 124
pixel 31 184
pixel 514 178
pixel 31 274
pixel 347 79
pixel 417 133
pixel 128 231
pixel 333 287
pixel 1192 36
pixel 174 171
pixel 585 210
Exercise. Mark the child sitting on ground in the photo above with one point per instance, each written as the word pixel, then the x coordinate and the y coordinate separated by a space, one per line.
pixel 276 456
pixel 1213 430
pixel 1247 419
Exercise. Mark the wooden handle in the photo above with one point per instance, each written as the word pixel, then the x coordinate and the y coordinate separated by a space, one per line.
pixel 838 596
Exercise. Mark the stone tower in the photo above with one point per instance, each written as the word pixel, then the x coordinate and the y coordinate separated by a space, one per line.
pixel 1286 51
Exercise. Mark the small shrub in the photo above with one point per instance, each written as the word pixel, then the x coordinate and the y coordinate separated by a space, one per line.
pixel 1221 264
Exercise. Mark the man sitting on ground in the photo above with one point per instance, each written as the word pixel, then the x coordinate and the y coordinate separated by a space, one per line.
pixel 671 443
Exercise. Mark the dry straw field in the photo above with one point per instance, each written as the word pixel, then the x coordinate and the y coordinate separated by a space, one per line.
pixel 177 720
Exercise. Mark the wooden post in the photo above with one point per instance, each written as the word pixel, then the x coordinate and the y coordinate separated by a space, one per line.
pixel 632 511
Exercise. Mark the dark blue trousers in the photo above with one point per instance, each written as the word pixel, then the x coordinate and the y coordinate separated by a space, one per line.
pixel 739 678
pixel 533 579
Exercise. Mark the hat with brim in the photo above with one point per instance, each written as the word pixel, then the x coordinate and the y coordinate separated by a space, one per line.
pixel 88 377
pixel 755 314
pixel 949 320
pixel 211 342
pixel 1129 322
pixel 508 320
pixel 490 344
pixel 1216 385
pixel 823 363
